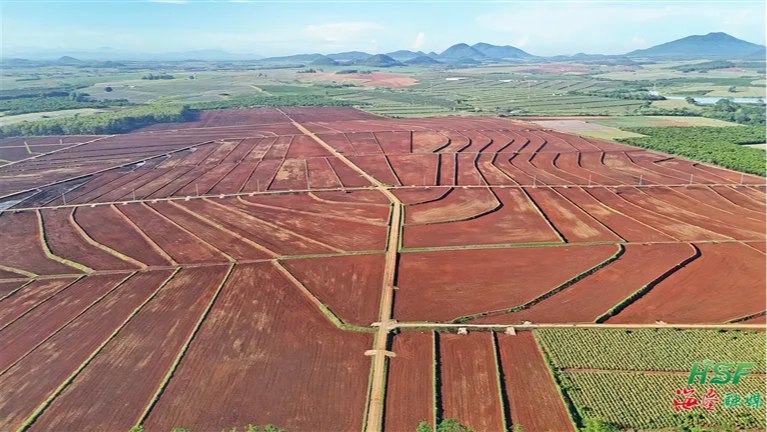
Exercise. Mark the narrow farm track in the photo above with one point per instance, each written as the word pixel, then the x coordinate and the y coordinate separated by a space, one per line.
pixel 374 417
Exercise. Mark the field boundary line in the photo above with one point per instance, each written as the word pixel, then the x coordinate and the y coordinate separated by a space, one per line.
pixel 743 318
pixel 572 410
pixel 12 292
pixel 544 216
pixel 41 408
pixel 88 239
pixel 50 254
pixel 320 215
pixel 19 271
pixel 184 348
pixel 145 236
pixel 498 206
pixel 89 307
pixel 329 314
pixel 641 292
pixel 36 305
pixel 190 233
pixel 552 292
pixel 503 397
pixel 39 155
pixel 224 229
pixel 589 215
pixel 274 226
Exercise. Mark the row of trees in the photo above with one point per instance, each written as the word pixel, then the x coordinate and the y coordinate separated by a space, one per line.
pixel 150 76
pixel 104 123
pixel 71 100
pixel 260 100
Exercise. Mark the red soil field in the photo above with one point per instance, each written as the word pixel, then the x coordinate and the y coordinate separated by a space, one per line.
pixel 32 380
pixel 203 183
pixel 628 228
pixel 738 198
pixel 594 295
pixel 409 390
pixel 394 142
pixel 499 141
pixel 30 297
pixel 131 362
pixel 109 227
pixel 647 160
pixel 570 163
pixel 182 246
pixel 546 162
pixel 259 151
pixel 427 142
pixel 680 198
pixel 479 141
pixel 308 203
pixel 180 182
pixel 731 176
pixel 721 270
pixel 700 217
pixel 66 242
pixel 469 384
pixel 619 161
pixel 349 286
pixel 94 183
pixel 517 221
pixel 579 143
pixel 8 287
pixel 291 175
pixel 593 163
pixel 535 144
pixel 229 244
pixel 321 174
pixel 436 286
pixel 22 245
pixel 553 143
pixel 126 190
pixel 525 369
pixel 466 171
pixel 235 180
pixel 315 114
pixel 80 195
pixel 264 374
pixel 539 176
pixel 759 245
pixel 199 155
pixel 490 172
pixel 671 226
pixel 304 146
pixel 243 149
pixel 347 175
pixel 503 162
pixel 518 142
pixel 340 142
pixel 573 223
pixel 279 149
pixel 447 174
pixel 364 143
pixel 457 204
pixel 414 169
pixel 421 195
pixel 23 334
pixel 706 196
pixel 685 168
pixel 150 187
pixel 263 174
pixel 321 229
pixel 280 242
pixel 754 193
pixel 378 167
pixel 354 197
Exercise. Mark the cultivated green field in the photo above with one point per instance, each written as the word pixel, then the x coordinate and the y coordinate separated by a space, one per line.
pixel 647 121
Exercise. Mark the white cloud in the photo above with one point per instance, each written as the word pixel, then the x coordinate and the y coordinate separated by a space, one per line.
pixel 417 44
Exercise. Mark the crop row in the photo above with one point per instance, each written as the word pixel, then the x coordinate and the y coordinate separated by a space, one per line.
pixel 650 349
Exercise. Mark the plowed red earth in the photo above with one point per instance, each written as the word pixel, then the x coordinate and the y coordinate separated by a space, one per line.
pixel 21 242
pixel 669 301
pixel 524 370
pixel 249 364
pixel 409 390
pixel 469 385
pixel 435 286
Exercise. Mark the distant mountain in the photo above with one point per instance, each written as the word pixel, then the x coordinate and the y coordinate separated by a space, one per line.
pixel 295 58
pixel 350 55
pixel 379 60
pixel 68 61
pixel 462 50
pixel 325 61
pixel 433 55
pixel 405 54
pixel 461 61
pixel 709 46
pixel 422 60
pixel 759 54
pixel 107 54
pixel 500 52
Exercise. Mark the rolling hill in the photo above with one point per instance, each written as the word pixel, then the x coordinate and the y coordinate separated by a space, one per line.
pixel 713 45
pixel 462 50
pixel 500 52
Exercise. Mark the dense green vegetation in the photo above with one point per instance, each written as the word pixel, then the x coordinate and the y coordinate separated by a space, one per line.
pixel 705 66
pixel 446 425
pixel 261 100
pixel 715 145
pixel 727 110
pixel 104 123
pixel 649 349
pixel 150 76
pixel 41 104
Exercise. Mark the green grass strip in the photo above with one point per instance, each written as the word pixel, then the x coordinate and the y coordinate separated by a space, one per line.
pixel 50 254
pixel 436 381
pixel 502 397
pixel 17 289
pixel 572 410
pixel 19 271
pixel 747 317
pixel 544 296
pixel 184 348
pixel 645 289
pixel 39 410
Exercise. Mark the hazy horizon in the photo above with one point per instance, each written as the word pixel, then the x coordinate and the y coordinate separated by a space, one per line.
pixel 276 29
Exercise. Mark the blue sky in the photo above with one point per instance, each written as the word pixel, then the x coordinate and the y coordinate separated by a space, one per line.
pixel 279 28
